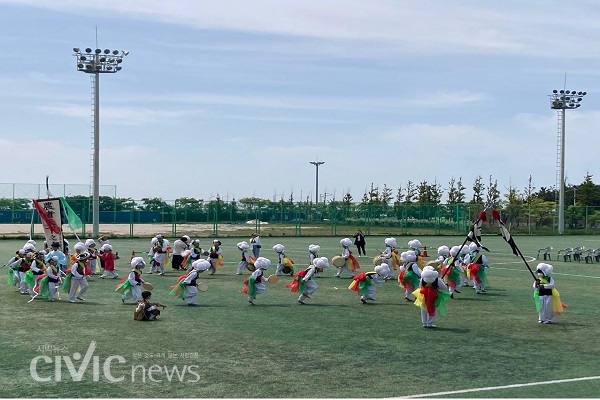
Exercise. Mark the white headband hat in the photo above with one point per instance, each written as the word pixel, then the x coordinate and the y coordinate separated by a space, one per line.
pixel 278 248
pixel 415 244
pixel 262 263
pixel 443 250
pixel 79 246
pixel 201 265
pixel 454 251
pixel 547 269
pixel 429 275
pixel 382 269
pixel 321 262
pixel 390 242
pixel 346 242
pixel 135 261
pixel 409 256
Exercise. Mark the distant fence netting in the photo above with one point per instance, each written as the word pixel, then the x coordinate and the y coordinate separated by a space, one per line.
pixel 301 218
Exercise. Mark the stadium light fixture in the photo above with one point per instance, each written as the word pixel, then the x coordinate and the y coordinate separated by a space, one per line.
pixel 561 101
pixel 97 62
pixel 316 164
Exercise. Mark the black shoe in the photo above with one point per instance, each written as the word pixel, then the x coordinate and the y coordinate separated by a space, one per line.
pixel 456 291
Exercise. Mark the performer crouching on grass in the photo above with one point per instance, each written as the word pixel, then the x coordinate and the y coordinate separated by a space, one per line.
pixel 303 281
pixel 547 298
pixel 187 285
pixel 255 283
pixel 363 282
pixel 431 297
pixel 131 287
pixel 243 265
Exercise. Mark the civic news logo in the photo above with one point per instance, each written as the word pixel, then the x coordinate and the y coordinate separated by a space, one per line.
pixel 58 368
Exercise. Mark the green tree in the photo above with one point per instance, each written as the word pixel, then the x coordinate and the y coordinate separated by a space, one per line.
pixel 478 188
pixel 493 194
pixel 588 193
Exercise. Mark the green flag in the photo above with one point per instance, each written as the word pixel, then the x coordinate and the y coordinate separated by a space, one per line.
pixel 72 219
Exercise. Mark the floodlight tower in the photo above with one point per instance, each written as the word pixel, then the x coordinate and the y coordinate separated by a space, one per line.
pixel 316 164
pixel 561 101
pixel 97 62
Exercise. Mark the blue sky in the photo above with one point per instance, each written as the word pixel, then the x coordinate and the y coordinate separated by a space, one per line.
pixel 236 97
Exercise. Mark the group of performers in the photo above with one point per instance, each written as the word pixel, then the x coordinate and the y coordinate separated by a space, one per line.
pixel 42 273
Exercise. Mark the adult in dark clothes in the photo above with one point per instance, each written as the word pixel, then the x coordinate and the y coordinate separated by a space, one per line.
pixel 359 242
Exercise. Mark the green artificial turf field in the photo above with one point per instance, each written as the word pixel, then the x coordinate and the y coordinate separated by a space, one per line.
pixel 334 346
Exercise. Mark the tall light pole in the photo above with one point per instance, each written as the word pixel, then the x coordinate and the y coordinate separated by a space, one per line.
pixel 316 164
pixel 97 62
pixel 563 100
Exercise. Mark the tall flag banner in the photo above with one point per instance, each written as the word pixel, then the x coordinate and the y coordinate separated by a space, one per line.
pixel 475 232
pixel 72 219
pixel 505 233
pixel 50 213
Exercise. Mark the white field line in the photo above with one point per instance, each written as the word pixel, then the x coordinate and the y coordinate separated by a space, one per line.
pixel 531 260
pixel 587 378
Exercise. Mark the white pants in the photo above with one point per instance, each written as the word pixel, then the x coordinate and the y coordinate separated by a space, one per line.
pixel 159 263
pixel 135 293
pixel 53 289
pixel 546 312
pixel 241 267
pixel 310 287
pixel 191 294
pixel 111 274
pixel 77 283
pixel 260 289
pixel 371 294
pixel 279 270
pixel 426 319
pixel 388 261
pixel 93 266
pixel 22 284
pixel 341 270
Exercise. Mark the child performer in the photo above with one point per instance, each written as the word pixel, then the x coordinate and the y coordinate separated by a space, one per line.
pixel 410 273
pixel 303 281
pixel 76 280
pixel 145 310
pixel 255 283
pixel 477 264
pixel 49 283
pixel 56 252
pixel 431 297
pixel 313 254
pixel 415 245
pixel 243 265
pixel 160 247
pixel 351 263
pixel 215 256
pixel 452 271
pixel 131 287
pixel 547 298
pixel 187 289
pixel 108 260
pixel 389 256
pixel 90 245
pixel 363 285
pixel 281 261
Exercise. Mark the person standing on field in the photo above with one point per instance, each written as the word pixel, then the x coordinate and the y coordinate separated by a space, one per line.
pixel 359 242
pixel 255 243
pixel 179 246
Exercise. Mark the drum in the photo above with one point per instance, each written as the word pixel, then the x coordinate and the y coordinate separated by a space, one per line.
pixel 377 260
pixel 287 270
pixel 338 261
pixel 147 286
pixel 202 286
pixel 273 279
pixel 250 267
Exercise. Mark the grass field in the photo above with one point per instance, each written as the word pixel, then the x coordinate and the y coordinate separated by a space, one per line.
pixel 333 347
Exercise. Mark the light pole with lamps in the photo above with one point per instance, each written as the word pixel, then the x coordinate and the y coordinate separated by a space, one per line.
pixel 97 62
pixel 563 100
pixel 316 164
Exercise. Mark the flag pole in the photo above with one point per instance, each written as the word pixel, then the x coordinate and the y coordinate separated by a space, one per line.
pixel 482 217
pixel 507 237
